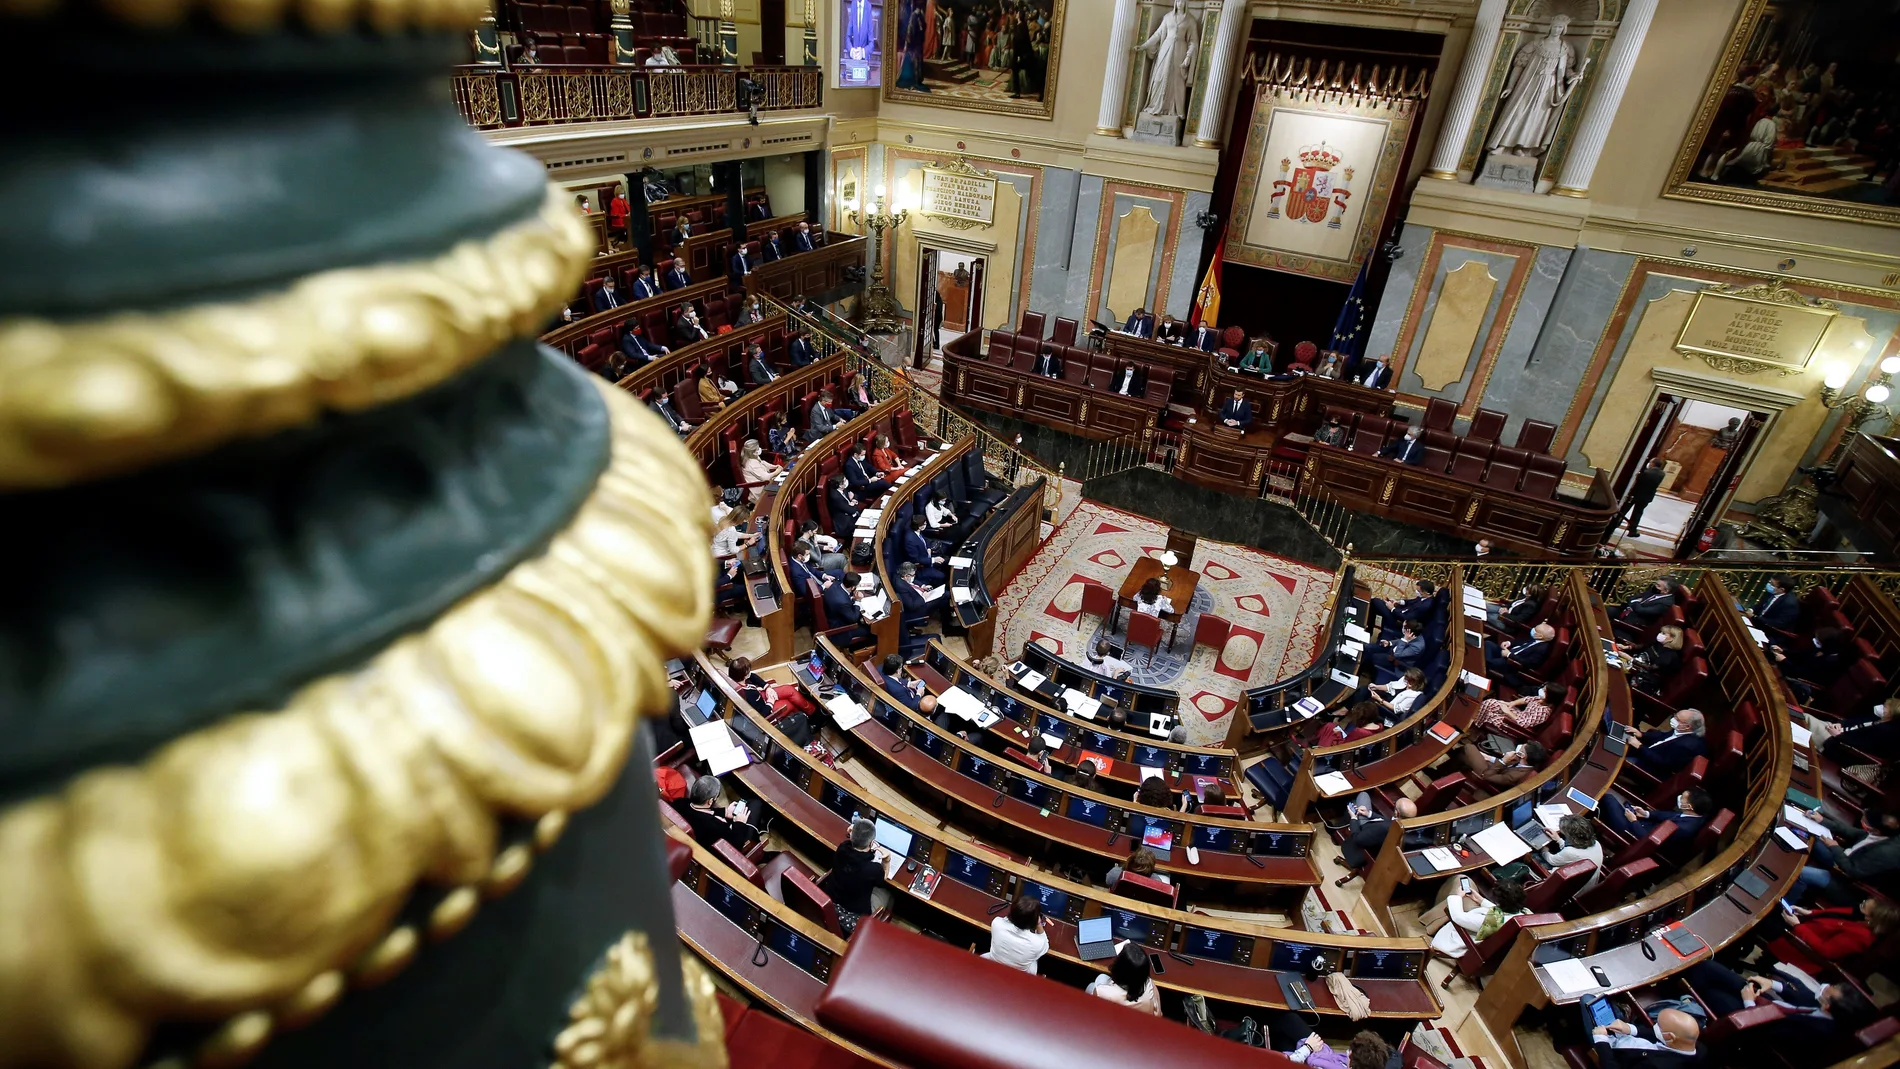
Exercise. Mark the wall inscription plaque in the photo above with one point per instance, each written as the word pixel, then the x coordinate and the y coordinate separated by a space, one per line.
pixel 1755 329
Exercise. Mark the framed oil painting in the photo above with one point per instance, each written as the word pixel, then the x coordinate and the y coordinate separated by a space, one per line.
pixel 1802 115
pixel 997 56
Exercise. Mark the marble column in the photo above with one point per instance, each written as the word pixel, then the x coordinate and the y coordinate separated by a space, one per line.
pixel 1600 111
pixel 1121 47
pixel 1220 72
pixel 1469 87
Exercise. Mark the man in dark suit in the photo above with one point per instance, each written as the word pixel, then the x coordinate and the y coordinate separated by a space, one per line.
pixel 687 328
pixel 1848 854
pixel 1206 338
pixel 645 285
pixel 1668 1044
pixel 844 509
pixel 1140 324
pixel 1378 376
pixel 757 210
pixel 1386 614
pixel 1407 450
pixel 917 551
pixel 1694 806
pixel 823 417
pixel 1507 663
pixel 605 299
pixel 800 350
pixel 1366 829
pixel 801 241
pixel 803 568
pixel 1815 1023
pixel 863 481
pixel 1779 610
pixel 1642 492
pixel 758 368
pixel 1662 753
pixel 1407 651
pixel 1237 413
pixel 663 405
pixel 900 690
pixel 910 595
pixel 1877 736
pixel 634 345
pixel 1048 364
pixel 675 276
pixel 738 267
pixel 1128 382
pixel 768 248
pixel 842 611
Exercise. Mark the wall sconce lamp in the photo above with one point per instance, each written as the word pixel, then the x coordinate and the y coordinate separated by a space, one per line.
pixel 1857 409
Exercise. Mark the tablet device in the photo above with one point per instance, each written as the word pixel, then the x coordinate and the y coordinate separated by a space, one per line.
pixel 1582 799
pixel 1751 884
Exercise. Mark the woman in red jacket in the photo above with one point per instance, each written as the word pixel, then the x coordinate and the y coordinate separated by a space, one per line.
pixel 1834 934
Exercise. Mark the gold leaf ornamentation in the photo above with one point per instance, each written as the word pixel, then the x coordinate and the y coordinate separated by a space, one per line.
pixel 238 863
pixel 104 396
pixel 265 16
pixel 610 1024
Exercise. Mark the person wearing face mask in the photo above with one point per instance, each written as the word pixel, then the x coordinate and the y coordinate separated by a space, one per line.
pixel 1670 1043
pixel 1506 663
pixel 1779 610
pixel 1646 608
pixel 1518 614
pixel 1408 450
pixel 1661 753
pixel 1846 855
pixel 1527 713
pixel 1877 736
pixel 1501 773
pixel 1815 1021
pixel 1652 665
pixel 1693 809
pixel 1576 841
pixel 1399 696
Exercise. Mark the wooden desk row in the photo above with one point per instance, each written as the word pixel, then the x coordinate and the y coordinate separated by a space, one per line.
pixel 1067 406
pixel 707 253
pixel 999 548
pixel 741 417
pixel 1707 901
pixel 1406 747
pixel 1130 749
pixel 1160 706
pixel 1269 707
pixel 1238 858
pixel 893 504
pixel 570 338
pixel 724 353
pixel 1588 765
pixel 1218 957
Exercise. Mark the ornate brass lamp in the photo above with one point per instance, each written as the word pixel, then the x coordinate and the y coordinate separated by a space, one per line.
pixel 880 311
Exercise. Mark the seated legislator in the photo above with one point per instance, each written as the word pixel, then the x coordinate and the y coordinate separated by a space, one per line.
pixel 1527 712
pixel 711 397
pixel 1407 651
pixel 605 299
pixel 911 595
pixel 1476 914
pixel 769 250
pixel 1151 601
pixel 861 477
pixel 1102 662
pixel 644 284
pixel 1646 608
pixel 842 610
pixel 1388 614
pixel 1877 736
pixel 884 458
pixel 801 241
pixel 1693 809
pixel 804 568
pixel 749 313
pixel 1407 450
pixel 1521 611
pixel 1140 323
pixel 1363 720
pixel 615 367
pixel 826 550
pixel 1048 364
pixel 1128 381
pixel 1331 432
pixel 758 369
pixel 1171 330
pixel 1236 412
pixel 727 544
pixel 1847 854
pixel 634 343
pixel 687 328
pixel 1505 663
pixel 712 823
pixel 1576 841
pixel 754 470
pixel 1829 934
pixel 1668 1044
pixel 905 691
pixel 1205 337
pixel 1397 698
pixel 1366 830
pixel 916 550
pixel 663 405
pixel 1661 753
pixel 1779 610
pixel 780 437
pixel 1127 981
pixel 824 418
pixel 1505 772
pixel 941 517
pixel 1141 862
pixel 800 349
pixel 675 276
pixel 1328 366
pixel 778 698
pixel 843 505
pixel 856 880
pixel 1257 361
pixel 1379 375
pixel 1652 665
pixel 1020 938
pixel 1816 664
pixel 1815 1023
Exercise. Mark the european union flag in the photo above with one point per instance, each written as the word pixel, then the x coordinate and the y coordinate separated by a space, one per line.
pixel 1349 331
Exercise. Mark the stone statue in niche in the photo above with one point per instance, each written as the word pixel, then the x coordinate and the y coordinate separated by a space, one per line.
pixel 1542 75
pixel 1164 106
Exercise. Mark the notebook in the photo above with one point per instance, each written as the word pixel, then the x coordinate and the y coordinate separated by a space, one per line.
pixel 1095 938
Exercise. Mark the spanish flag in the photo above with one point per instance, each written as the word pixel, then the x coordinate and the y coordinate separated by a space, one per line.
pixel 1207 298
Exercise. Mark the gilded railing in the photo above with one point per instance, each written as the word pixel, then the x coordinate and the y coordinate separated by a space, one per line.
pixel 1501 579
pixel 496 98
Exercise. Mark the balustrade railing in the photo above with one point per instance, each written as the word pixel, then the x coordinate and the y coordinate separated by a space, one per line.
pixel 493 98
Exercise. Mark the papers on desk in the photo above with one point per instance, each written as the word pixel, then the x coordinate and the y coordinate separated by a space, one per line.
pixel 1332 784
pixel 875 607
pixel 1789 839
pixel 961 595
pixel 1440 858
pixel 1308 706
pixel 714 744
pixel 868 518
pixel 1571 976
pixel 1350 682
pixel 1473 680
pixel 1802 736
pixel 1351 649
pixel 845 712
pixel 891 863
pixel 1755 632
pixel 1501 843
pixel 961 703
pixel 1356 633
pixel 902 479
pixel 1032 680
pixel 962 562
pixel 1473 594
pixel 1802 820
pixel 1054 742
pixel 1475 612
pixel 1550 813
pixel 1147 772
pixel 934 593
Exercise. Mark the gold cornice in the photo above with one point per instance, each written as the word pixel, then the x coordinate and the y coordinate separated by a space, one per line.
pixel 611 1022
pixel 247 872
pixel 263 16
pixel 103 396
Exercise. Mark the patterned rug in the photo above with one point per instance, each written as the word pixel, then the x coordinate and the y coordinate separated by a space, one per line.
pixel 1275 607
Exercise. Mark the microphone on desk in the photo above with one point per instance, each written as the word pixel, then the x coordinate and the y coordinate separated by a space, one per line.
pixel 759 957
pixel 998 908
pixel 901 743
pixel 1113 838
pixel 1180 958
pixel 997 802
pixel 1254 861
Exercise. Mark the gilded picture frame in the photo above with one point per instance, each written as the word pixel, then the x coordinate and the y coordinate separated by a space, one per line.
pixel 957 83
pixel 1706 165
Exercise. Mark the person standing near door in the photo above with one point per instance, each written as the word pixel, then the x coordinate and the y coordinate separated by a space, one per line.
pixel 1642 492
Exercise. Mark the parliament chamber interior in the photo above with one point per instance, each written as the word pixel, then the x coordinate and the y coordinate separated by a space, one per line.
pixel 951 534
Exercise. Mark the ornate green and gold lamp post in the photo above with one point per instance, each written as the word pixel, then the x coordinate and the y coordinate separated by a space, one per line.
pixel 1785 520
pixel 881 311
pixel 334 603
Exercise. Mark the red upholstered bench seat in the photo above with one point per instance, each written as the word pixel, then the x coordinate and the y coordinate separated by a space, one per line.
pixel 916 1001
pixel 756 1038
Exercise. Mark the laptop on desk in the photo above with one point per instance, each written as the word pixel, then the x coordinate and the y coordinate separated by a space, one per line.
pixel 1095 938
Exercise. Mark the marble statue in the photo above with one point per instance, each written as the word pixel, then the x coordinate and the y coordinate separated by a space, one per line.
pixel 1172 45
pixel 1543 73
